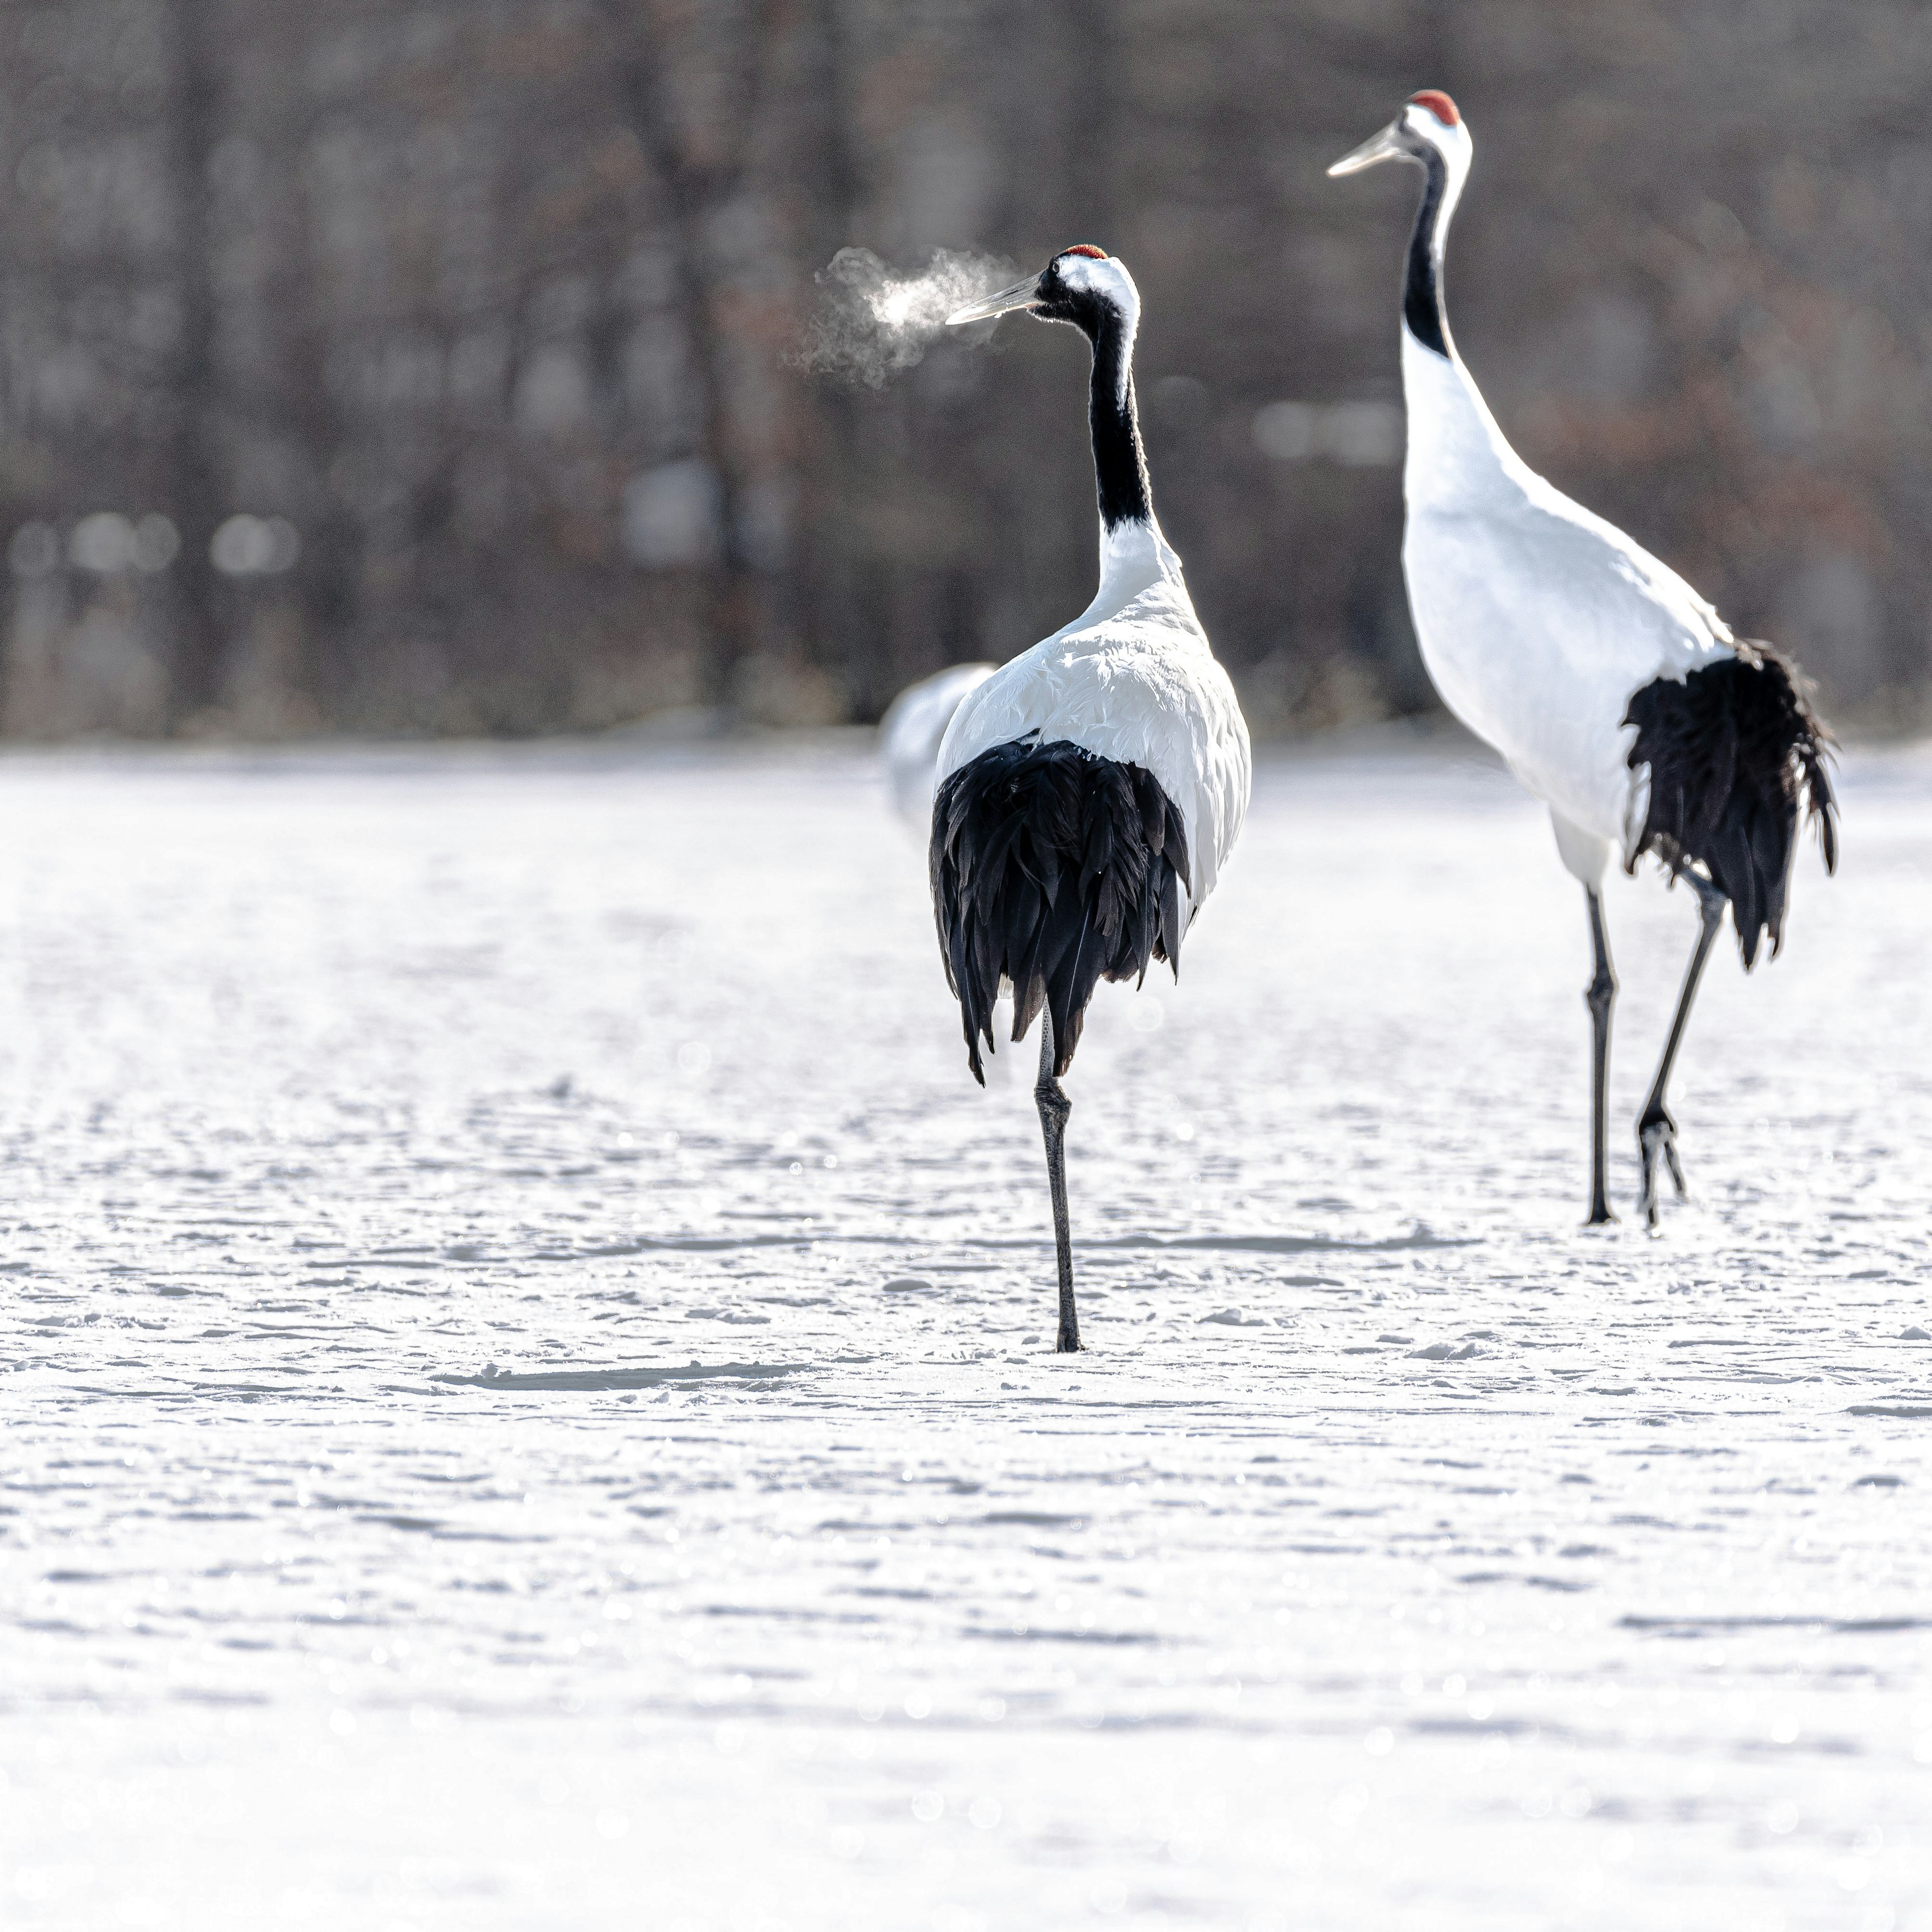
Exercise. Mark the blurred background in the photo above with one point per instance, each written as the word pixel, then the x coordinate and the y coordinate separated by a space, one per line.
pixel 431 366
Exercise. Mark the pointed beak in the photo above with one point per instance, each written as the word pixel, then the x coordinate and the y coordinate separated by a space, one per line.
pixel 1022 295
pixel 1386 146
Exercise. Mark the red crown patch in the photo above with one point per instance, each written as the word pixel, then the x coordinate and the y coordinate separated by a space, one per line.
pixel 1100 254
pixel 1438 104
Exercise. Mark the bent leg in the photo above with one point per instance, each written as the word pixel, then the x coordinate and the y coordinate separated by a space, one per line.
pixel 1054 1107
pixel 1656 1131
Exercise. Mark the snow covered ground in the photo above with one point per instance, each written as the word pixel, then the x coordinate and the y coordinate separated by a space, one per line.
pixel 527 1399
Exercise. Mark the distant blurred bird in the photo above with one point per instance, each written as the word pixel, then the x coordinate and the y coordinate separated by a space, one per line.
pixel 910 732
pixel 1617 694
pixel 1089 791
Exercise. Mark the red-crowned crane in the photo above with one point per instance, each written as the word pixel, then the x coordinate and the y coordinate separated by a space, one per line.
pixel 1617 694
pixel 912 731
pixel 1090 790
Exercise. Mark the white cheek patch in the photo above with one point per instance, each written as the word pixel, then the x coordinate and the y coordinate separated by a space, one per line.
pixel 1103 276
pixel 1453 144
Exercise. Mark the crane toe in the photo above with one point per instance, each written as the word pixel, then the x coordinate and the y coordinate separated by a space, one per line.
pixel 1656 1142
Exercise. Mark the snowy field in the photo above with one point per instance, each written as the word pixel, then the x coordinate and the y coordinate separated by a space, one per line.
pixel 528 1402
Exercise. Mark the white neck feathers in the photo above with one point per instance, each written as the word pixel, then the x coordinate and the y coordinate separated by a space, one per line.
pixel 1457 451
pixel 1134 557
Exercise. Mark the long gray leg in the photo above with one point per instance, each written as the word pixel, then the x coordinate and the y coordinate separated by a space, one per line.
pixel 1656 1131
pixel 1599 996
pixel 1054 1107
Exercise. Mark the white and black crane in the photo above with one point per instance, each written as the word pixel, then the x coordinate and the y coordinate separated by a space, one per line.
pixel 912 731
pixel 1616 693
pixel 1090 791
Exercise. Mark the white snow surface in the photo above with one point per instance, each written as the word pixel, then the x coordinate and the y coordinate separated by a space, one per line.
pixel 528 1400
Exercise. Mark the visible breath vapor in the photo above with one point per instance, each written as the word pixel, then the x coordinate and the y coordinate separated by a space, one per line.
pixel 873 323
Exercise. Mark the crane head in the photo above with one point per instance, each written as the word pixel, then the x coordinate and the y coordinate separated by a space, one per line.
pixel 1428 120
pixel 1080 285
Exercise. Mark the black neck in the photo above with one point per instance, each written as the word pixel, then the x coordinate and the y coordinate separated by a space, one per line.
pixel 1120 463
pixel 1422 291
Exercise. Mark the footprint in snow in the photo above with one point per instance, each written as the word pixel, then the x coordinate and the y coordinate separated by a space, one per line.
pixel 1443 1351
pixel 1233 1317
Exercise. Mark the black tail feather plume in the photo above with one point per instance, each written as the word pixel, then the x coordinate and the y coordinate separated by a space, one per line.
pixel 1734 751
pixel 1054 868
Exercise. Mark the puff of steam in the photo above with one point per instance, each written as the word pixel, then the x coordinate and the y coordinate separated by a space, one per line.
pixel 873 323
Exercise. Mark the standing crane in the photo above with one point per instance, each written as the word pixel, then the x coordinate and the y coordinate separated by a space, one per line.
pixel 1090 790
pixel 1616 693
pixel 912 731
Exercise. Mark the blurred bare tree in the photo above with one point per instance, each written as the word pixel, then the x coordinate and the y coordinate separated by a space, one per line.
pixel 195 489
pixel 425 365
pixel 699 134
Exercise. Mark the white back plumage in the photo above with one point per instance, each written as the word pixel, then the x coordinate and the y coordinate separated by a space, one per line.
pixel 1133 679
pixel 910 733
